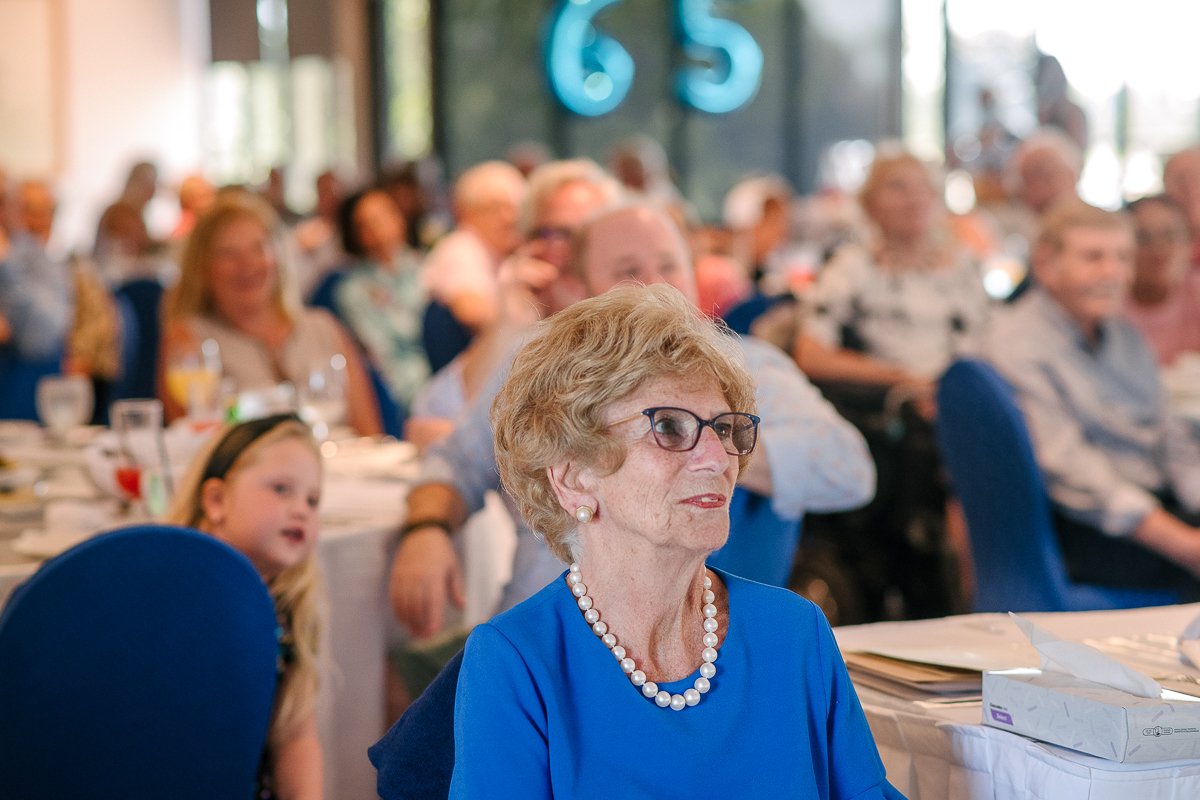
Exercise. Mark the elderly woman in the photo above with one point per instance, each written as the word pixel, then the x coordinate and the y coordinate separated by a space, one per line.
pixel 897 312
pixel 1164 302
pixel 621 431
pixel 232 290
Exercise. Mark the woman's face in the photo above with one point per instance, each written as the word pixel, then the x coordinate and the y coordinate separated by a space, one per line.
pixel 379 226
pixel 667 500
pixel 1162 254
pixel 902 201
pixel 267 509
pixel 242 271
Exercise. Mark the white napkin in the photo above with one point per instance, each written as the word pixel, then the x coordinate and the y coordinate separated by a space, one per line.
pixel 1189 643
pixel 1082 661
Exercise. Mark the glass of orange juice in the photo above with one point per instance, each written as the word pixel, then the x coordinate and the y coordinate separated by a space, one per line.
pixel 194 378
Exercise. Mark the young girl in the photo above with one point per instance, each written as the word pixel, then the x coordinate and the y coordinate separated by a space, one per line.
pixel 257 487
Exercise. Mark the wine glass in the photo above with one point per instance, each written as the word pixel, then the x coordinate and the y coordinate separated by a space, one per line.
pixel 193 378
pixel 142 470
pixel 64 402
pixel 323 395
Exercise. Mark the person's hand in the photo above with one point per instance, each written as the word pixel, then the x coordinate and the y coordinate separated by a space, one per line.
pixel 3 244
pixel 921 393
pixel 5 328
pixel 425 575
pixel 523 278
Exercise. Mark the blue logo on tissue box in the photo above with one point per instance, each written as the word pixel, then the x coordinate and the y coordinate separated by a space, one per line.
pixel 1003 717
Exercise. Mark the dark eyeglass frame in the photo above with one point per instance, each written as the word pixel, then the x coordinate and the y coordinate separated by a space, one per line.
pixel 701 424
pixel 549 233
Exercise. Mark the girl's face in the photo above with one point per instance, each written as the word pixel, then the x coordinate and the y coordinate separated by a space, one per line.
pixel 267 507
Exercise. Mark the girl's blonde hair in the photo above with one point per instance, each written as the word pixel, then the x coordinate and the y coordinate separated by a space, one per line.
pixel 296 591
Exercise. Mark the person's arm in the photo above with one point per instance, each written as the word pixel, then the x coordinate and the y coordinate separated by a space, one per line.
pixel 299 764
pixel 822 362
pixel 1080 476
pixel 855 768
pixel 426 573
pixel 501 745
pixel 456 475
pixel 362 408
pixel 1171 538
pixel 809 458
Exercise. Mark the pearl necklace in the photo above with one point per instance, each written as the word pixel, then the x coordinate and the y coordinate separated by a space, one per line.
pixel 650 689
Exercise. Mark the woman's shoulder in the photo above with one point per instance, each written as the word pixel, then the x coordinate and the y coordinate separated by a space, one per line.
pixel 774 603
pixel 532 621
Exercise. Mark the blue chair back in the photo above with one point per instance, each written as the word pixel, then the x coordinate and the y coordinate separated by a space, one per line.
pixel 442 336
pixel 18 382
pixel 762 545
pixel 139 664
pixel 138 302
pixel 415 759
pixel 986 449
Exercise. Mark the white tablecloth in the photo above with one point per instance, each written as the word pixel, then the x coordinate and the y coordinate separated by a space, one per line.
pixel 946 752
pixel 360 514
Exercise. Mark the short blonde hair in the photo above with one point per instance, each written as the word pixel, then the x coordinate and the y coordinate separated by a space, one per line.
pixel 887 156
pixel 553 175
pixel 1077 214
pixel 296 591
pixel 192 295
pixel 552 406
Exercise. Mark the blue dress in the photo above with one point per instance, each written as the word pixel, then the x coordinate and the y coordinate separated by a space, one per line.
pixel 544 710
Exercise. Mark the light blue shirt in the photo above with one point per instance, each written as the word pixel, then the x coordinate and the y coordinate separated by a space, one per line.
pixel 1097 415
pixel 544 710
pixel 818 461
pixel 37 298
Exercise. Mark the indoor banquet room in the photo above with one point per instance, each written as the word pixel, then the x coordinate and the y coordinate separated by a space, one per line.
pixel 480 399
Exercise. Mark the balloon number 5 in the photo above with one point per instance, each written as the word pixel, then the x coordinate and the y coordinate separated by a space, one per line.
pixel 591 73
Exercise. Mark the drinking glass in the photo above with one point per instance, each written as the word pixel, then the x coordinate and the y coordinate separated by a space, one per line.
pixel 64 402
pixel 323 395
pixel 193 378
pixel 142 468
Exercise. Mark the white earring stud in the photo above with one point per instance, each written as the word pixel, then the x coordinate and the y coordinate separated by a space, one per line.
pixel 584 514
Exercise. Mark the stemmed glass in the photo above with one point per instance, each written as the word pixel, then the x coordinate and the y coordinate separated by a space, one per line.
pixel 64 402
pixel 142 469
pixel 323 395
pixel 193 378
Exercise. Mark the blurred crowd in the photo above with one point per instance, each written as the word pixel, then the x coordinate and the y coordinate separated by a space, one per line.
pixel 400 290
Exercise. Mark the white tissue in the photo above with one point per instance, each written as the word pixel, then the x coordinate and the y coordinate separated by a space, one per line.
pixel 1082 661
pixel 1189 643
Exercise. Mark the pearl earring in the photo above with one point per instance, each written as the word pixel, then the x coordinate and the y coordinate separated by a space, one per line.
pixel 584 514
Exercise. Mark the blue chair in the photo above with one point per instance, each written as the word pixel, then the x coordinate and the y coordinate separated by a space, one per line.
pixel 985 446
pixel 138 302
pixel 762 544
pixel 442 336
pixel 18 382
pixel 415 759
pixel 324 294
pixel 139 664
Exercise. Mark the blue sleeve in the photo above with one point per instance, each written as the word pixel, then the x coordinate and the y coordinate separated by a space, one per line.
pixel 855 770
pixel 500 737
pixel 466 459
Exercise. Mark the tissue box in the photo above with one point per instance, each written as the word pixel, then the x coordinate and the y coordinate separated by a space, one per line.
pixel 1092 718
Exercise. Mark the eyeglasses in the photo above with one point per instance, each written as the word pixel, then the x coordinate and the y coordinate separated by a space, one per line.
pixel 678 430
pixel 551 233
